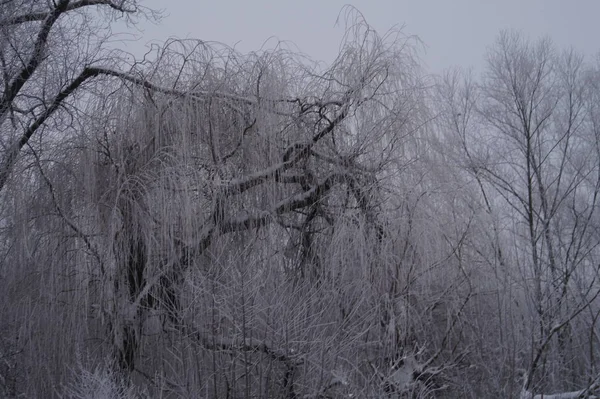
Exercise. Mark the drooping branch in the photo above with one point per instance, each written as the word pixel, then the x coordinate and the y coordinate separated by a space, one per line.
pixel 90 72
pixel 10 159
pixel 93 71
pixel 34 62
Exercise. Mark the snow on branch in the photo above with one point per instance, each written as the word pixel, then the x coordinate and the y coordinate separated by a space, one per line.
pixel 584 393
pixel 297 201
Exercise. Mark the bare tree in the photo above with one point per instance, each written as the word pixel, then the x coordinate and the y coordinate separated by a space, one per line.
pixel 205 223
pixel 524 137
pixel 256 145
pixel 223 202
pixel 48 50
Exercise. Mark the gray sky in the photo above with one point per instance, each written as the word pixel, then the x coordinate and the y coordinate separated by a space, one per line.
pixel 455 32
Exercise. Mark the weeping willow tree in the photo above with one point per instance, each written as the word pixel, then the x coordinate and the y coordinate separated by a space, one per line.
pixel 229 225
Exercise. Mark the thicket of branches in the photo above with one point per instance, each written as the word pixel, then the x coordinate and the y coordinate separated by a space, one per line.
pixel 207 223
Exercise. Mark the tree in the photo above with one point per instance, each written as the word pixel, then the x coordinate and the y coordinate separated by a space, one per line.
pixel 223 202
pixel 525 137
pixel 205 223
pixel 47 52
pixel 260 145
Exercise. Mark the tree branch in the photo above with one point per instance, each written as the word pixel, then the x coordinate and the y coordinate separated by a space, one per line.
pixel 36 59
pixel 9 161
pixel 40 16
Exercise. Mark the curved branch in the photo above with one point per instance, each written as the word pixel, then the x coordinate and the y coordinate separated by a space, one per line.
pixel 9 161
pixel 301 200
pixel 38 54
pixel 40 16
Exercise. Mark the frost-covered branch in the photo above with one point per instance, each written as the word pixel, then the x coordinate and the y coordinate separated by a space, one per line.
pixel 73 5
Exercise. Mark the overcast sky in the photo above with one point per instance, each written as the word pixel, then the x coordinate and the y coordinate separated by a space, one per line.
pixel 455 32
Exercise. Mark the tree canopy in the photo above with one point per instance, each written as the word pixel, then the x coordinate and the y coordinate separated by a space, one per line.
pixel 207 223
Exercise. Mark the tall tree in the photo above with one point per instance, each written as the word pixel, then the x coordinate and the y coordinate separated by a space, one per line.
pixel 525 137
pixel 236 205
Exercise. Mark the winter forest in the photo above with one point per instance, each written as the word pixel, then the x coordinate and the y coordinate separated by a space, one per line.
pixel 206 223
